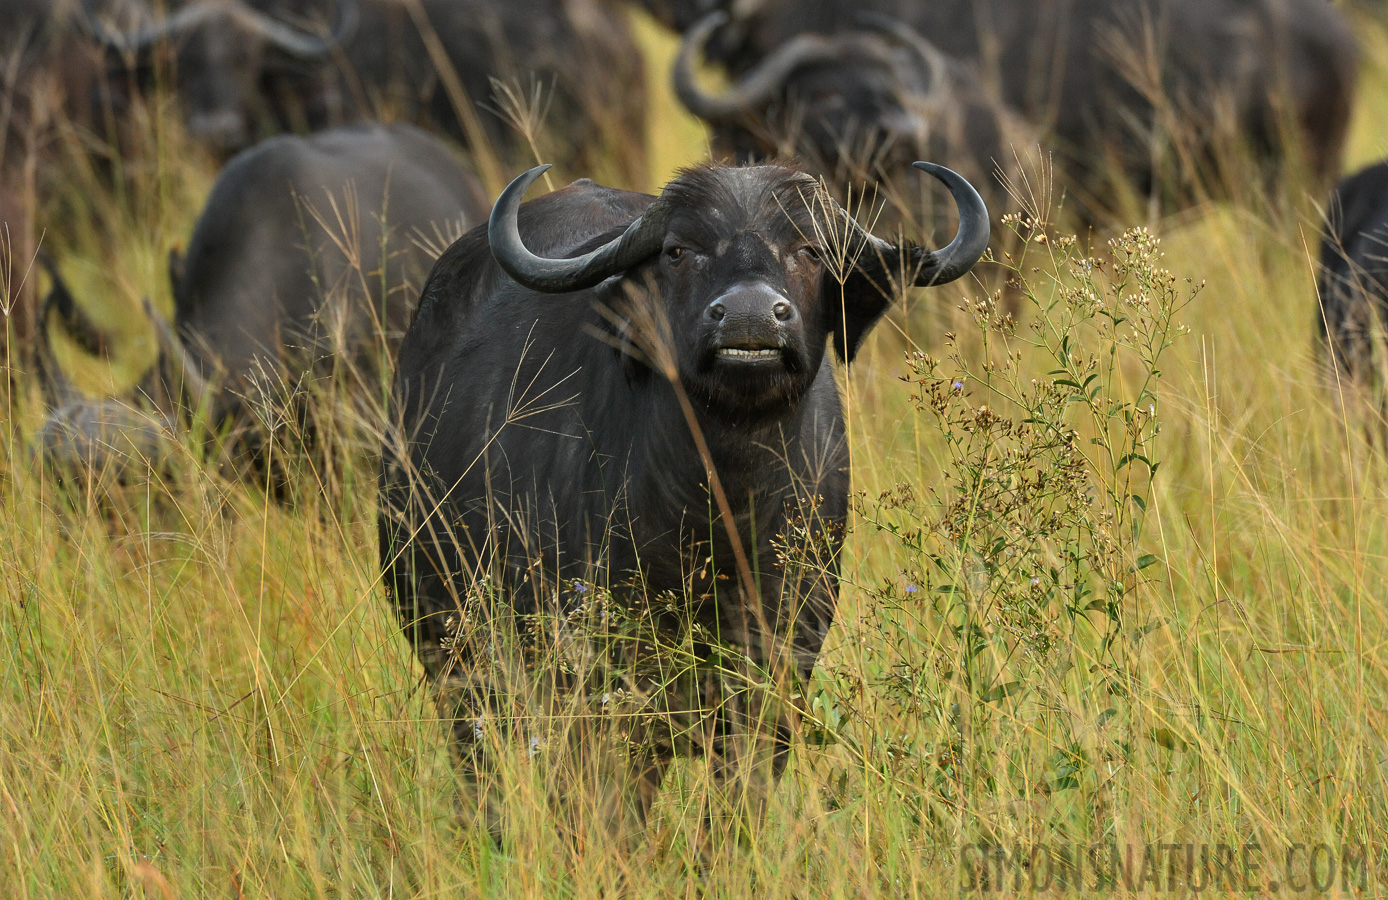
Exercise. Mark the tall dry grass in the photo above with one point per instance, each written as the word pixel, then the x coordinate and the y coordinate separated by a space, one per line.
pixel 205 694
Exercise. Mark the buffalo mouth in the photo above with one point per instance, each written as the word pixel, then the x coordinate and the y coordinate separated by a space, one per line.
pixel 751 354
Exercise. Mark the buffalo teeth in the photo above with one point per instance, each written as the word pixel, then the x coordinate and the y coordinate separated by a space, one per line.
pixel 764 353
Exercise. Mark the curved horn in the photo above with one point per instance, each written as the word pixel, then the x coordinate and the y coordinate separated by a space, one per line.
pixel 74 321
pixel 58 389
pixel 755 88
pixel 286 38
pixel 929 55
pixel 934 267
pixel 641 240
pixel 294 41
pixel 185 19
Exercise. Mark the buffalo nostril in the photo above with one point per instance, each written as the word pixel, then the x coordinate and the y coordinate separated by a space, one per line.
pixel 717 311
pixel 783 310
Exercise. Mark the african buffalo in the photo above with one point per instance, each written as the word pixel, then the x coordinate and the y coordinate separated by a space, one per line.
pixel 309 250
pixel 305 260
pixel 573 63
pixel 244 69
pixel 226 57
pixel 1354 275
pixel 70 83
pixel 1146 95
pixel 859 105
pixel 632 392
pixel 68 103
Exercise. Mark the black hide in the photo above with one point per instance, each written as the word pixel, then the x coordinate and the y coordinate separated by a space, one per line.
pixel 309 253
pixel 306 261
pixel 1354 272
pixel 574 61
pixel 543 438
pixel 1254 71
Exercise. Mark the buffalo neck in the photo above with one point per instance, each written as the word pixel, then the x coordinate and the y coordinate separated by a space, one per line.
pixel 742 453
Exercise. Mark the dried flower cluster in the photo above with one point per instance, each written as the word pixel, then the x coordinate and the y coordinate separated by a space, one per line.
pixel 1025 557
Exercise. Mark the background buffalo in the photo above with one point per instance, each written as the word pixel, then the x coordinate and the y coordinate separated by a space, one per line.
pixel 84 83
pixel 1353 283
pixel 1157 102
pixel 306 260
pixel 496 76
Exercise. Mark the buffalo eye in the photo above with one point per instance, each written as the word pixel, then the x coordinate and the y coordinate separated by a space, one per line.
pixel 675 254
pixel 809 252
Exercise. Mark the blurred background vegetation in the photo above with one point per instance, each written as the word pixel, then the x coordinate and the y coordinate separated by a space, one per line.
pixel 209 697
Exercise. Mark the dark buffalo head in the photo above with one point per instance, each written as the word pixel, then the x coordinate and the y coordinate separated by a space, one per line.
pixel 875 94
pixel 734 279
pixel 222 52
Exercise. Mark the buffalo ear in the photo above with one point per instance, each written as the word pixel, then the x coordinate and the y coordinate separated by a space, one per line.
pixel 853 307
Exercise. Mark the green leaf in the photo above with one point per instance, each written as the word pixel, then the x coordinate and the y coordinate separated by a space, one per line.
pixel 1002 692
pixel 1164 737
pixel 1142 632
pixel 1127 458
pixel 1145 560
